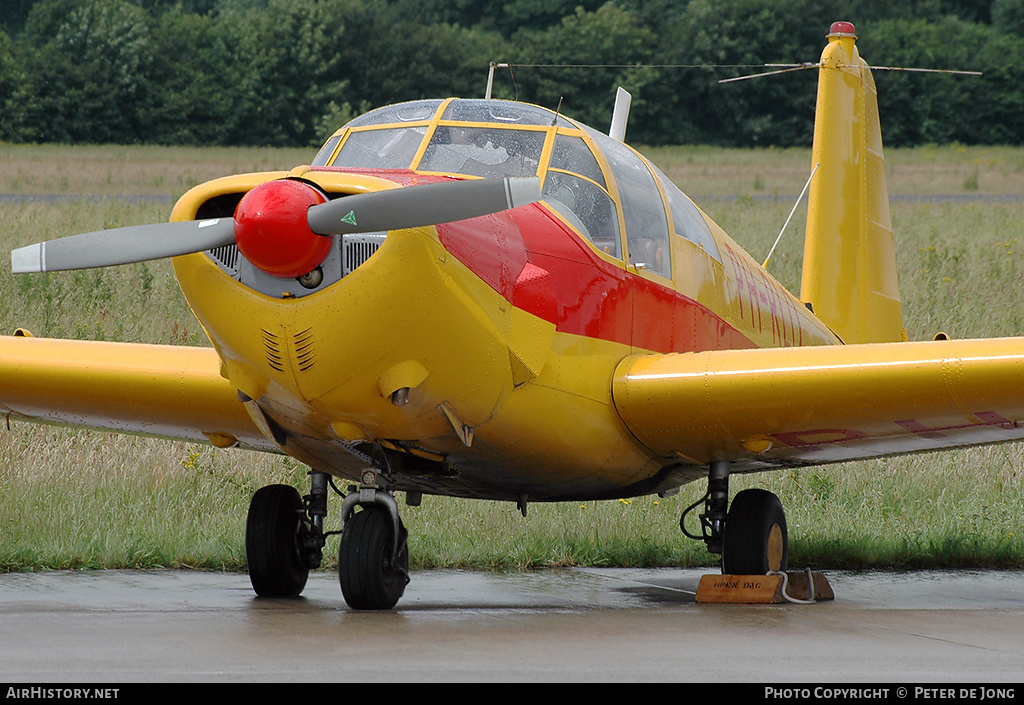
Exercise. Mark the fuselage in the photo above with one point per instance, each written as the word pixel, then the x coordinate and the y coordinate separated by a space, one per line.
pixel 477 358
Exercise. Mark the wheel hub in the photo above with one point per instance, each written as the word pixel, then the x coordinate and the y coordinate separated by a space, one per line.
pixel 776 544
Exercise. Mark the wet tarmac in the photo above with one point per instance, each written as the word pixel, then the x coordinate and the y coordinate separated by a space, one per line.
pixel 581 625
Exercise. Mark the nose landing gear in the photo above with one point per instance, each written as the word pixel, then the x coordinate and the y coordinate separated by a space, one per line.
pixel 373 559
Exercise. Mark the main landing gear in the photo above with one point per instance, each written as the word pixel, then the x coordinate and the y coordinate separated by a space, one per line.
pixel 284 540
pixel 751 537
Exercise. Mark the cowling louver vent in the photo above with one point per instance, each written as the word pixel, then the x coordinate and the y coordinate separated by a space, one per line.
pixel 272 347
pixel 305 352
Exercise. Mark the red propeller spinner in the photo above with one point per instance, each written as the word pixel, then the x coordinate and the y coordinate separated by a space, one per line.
pixel 272 228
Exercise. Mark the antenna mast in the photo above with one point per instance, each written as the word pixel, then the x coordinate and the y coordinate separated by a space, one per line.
pixel 490 77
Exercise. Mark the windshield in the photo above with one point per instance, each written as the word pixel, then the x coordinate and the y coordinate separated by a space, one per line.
pixel 388 148
pixel 484 151
pixel 596 184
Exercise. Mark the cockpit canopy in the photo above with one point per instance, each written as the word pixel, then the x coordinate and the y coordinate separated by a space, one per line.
pixel 598 185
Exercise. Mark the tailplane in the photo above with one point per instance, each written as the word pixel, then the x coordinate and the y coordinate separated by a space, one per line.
pixel 849 273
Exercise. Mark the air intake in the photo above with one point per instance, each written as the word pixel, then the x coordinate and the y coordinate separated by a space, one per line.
pixel 359 248
pixel 226 256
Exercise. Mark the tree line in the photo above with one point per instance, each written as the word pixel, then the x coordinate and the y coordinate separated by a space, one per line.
pixel 288 72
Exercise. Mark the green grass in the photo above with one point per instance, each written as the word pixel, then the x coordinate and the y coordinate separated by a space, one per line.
pixel 709 172
pixel 75 499
pixel 91 170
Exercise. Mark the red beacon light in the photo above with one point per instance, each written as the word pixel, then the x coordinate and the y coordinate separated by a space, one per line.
pixel 272 232
pixel 842 29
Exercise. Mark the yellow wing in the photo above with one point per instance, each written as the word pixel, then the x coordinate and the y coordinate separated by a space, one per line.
pixel 159 390
pixel 791 406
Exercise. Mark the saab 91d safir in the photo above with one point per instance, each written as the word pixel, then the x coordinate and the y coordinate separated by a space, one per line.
pixel 487 299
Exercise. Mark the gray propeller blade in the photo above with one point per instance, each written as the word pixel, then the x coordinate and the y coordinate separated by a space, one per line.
pixel 135 243
pixel 366 212
pixel 416 206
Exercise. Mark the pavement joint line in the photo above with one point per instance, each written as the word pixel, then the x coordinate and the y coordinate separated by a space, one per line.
pixel 640 582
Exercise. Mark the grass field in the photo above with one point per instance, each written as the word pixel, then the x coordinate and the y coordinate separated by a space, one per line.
pixel 73 499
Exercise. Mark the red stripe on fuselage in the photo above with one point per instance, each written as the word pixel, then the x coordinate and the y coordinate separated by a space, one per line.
pixel 583 294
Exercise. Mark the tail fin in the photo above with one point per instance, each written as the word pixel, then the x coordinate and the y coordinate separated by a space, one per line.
pixel 849 274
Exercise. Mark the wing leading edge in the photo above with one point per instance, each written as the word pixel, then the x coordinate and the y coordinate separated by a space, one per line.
pixel 159 390
pixel 789 406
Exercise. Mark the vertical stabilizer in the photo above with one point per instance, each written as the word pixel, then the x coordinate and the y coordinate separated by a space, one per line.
pixel 849 274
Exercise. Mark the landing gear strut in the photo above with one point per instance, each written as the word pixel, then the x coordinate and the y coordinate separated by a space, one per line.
pixel 751 537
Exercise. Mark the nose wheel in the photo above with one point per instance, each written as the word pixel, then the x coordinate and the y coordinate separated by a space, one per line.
pixel 373 563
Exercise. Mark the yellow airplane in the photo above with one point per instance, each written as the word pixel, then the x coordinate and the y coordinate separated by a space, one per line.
pixel 487 299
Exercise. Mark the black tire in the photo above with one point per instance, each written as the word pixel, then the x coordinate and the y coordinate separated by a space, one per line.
pixel 756 538
pixel 369 579
pixel 273 536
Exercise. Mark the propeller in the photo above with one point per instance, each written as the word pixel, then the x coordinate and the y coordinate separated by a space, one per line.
pixel 123 245
pixel 283 227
